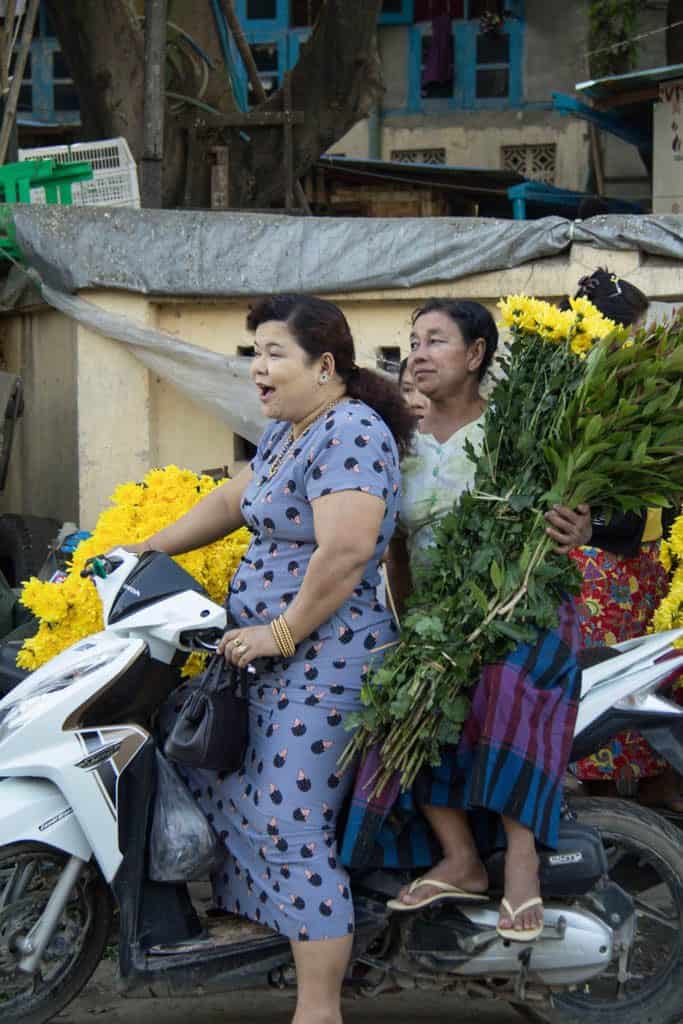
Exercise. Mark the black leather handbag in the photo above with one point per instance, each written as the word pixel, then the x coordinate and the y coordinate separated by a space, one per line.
pixel 212 727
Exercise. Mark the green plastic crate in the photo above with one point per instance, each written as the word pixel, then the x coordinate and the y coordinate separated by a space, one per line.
pixel 17 180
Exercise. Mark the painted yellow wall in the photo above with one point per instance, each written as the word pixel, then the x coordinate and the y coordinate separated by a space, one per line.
pixel 183 433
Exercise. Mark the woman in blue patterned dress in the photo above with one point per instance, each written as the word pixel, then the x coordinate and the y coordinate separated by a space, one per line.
pixel 321 498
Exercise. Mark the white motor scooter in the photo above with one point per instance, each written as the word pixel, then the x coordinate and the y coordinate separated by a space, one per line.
pixel 77 786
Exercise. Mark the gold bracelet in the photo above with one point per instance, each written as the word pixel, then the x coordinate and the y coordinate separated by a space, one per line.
pixel 278 639
pixel 286 637
pixel 283 637
pixel 284 625
pixel 275 634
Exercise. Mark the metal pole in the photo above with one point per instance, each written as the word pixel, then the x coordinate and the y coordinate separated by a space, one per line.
pixel 7 45
pixel 10 108
pixel 598 164
pixel 289 144
pixel 244 51
pixel 154 103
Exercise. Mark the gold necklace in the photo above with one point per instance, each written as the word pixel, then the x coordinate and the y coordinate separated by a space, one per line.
pixel 308 422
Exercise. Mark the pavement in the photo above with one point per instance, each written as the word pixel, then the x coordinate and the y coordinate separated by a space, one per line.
pixel 100 999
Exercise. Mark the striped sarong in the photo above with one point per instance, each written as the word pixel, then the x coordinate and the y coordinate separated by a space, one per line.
pixel 511 760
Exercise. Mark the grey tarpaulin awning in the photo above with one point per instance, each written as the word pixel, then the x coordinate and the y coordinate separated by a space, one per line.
pixel 187 252
pixel 219 383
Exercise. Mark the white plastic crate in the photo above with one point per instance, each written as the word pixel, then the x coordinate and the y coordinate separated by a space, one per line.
pixel 115 181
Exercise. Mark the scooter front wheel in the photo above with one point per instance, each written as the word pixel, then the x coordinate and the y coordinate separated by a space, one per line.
pixel 28 875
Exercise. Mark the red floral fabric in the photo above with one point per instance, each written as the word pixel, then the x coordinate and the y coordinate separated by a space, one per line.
pixel 617 602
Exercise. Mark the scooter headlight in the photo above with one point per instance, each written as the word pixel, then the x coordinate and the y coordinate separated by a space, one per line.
pixel 31 697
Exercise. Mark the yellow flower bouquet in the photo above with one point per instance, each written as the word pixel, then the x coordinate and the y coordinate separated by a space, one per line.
pixel 669 614
pixel 71 610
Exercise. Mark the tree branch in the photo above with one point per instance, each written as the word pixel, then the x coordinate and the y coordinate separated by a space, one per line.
pixel 336 82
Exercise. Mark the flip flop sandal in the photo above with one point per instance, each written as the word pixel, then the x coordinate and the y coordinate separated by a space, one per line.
pixel 523 934
pixel 445 892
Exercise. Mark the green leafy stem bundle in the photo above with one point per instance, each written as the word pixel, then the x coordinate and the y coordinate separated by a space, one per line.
pixel 606 430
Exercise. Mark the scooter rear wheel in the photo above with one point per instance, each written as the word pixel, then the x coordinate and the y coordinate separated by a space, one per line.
pixel 645 858
pixel 28 873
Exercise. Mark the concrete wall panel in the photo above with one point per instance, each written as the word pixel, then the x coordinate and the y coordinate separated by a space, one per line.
pixel 43 477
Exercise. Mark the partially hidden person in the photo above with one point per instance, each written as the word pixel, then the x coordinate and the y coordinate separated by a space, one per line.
pixel 623 583
pixel 321 498
pixel 414 399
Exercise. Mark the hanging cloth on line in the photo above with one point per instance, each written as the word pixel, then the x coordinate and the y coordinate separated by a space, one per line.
pixel 438 69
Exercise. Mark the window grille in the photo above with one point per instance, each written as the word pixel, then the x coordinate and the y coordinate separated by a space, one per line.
pixel 538 162
pixel 419 156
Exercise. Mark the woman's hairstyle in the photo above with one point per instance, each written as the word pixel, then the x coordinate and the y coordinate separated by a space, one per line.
pixel 402 367
pixel 615 298
pixel 474 321
pixel 320 326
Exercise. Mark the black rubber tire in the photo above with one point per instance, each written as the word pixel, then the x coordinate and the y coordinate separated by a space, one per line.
pixel 529 1014
pixel 662 1005
pixel 24 544
pixel 93 947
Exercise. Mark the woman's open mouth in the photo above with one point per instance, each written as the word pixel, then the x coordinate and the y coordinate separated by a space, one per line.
pixel 265 392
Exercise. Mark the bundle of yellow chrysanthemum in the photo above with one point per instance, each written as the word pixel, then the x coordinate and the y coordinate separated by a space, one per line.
pixel 71 610
pixel 669 615
pixel 582 325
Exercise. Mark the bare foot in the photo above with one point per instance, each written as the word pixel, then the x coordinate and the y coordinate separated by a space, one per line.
pixel 521 884
pixel 465 872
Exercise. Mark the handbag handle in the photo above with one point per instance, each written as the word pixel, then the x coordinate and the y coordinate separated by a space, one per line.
pixel 195 708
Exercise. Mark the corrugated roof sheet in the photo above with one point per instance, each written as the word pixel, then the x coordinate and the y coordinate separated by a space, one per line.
pixel 463 179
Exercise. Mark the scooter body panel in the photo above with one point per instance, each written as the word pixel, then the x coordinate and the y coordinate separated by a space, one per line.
pixel 34 810
pixel 84 764
pixel 642 663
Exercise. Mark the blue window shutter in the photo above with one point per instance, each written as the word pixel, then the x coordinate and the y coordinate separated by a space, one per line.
pixel 404 17
pixel 277 24
pixel 464 49
pixel 43 96
pixel 516 63
pixel 414 70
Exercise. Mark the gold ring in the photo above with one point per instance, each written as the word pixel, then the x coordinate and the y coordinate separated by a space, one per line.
pixel 237 642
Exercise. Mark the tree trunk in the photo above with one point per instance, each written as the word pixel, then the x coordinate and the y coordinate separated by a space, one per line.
pixel 674 36
pixel 105 56
pixel 336 82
